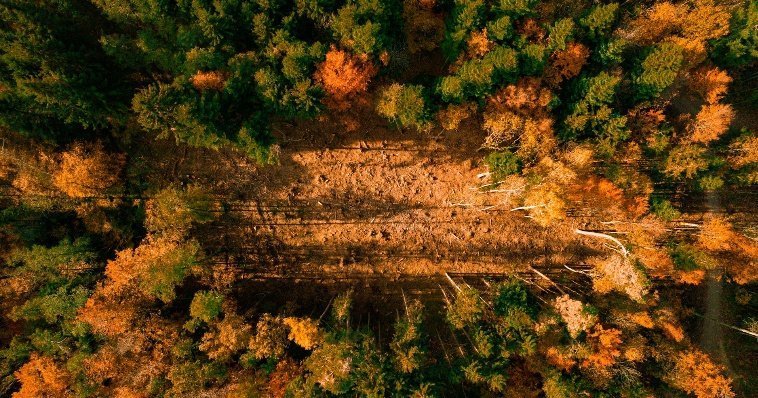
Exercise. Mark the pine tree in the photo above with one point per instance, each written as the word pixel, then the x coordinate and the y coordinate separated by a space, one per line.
pixel 466 309
pixel 560 33
pixel 515 8
pixel 57 82
pixel 658 70
pixel 171 211
pixel 600 89
pixel 408 343
pixel 38 266
pixel 592 115
pixel 500 29
pixel 331 364
pixel 740 47
pixel 599 20
pixel 532 59
pixel 404 105
pixel 685 161
pixel 466 16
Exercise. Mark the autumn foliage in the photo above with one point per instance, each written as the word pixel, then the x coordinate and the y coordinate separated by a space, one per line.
pixel 711 122
pixel 87 170
pixel 42 377
pixel 737 251
pixel 280 378
pixel 208 80
pixel 711 84
pixel 744 152
pixel 525 194
pixel 518 112
pixel 343 76
pixel 304 332
pixel 451 117
pixel 688 24
pixel 479 44
pixel 608 197
pixel 566 63
pixel 228 337
pixel 109 317
pixel 605 347
pixel 695 373
pixel 153 269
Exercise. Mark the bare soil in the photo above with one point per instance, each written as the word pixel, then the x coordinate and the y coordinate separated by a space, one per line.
pixel 351 194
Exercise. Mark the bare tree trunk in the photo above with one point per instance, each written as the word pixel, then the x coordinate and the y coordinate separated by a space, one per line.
pixel 452 282
pixel 547 279
pixel 527 207
pixel 604 236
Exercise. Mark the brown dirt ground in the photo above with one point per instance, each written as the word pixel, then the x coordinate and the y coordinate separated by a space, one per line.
pixel 370 200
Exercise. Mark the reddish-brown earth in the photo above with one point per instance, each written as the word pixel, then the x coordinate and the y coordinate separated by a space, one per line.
pixel 374 200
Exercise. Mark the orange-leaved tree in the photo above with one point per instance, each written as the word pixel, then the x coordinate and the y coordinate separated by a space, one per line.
pixel 154 268
pixel 606 345
pixel 478 44
pixel 711 122
pixel 304 332
pixel 688 24
pixel 518 113
pixel 108 316
pixel 208 80
pixel 229 336
pixel 42 377
pixel 344 75
pixel 710 83
pixel 87 170
pixel 695 373
pixel 566 63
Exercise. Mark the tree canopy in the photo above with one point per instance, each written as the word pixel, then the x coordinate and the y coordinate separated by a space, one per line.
pixel 379 198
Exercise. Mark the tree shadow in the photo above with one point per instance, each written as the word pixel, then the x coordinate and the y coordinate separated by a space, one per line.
pixel 369 131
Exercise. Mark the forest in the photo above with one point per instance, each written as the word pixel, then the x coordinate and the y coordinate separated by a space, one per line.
pixel 378 198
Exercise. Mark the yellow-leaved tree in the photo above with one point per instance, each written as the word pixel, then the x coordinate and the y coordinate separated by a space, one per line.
pixel 86 169
pixel 695 373
pixel 41 377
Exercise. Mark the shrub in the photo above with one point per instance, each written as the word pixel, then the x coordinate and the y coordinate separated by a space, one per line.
pixel 206 305
pixel 663 209
pixel 403 105
pixel 502 164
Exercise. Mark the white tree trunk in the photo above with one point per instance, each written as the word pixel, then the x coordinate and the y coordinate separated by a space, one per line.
pixel 604 236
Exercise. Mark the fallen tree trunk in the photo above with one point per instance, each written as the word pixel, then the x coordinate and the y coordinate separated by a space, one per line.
pixel 604 236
